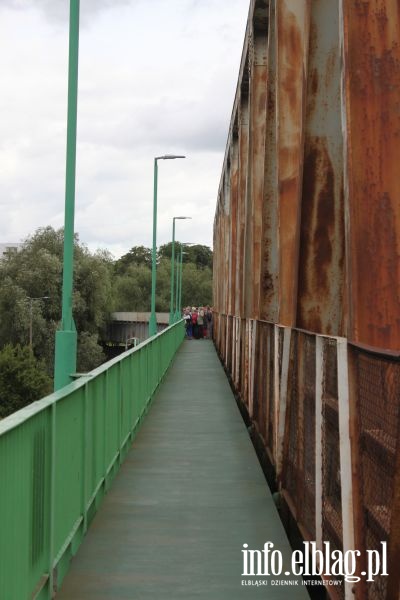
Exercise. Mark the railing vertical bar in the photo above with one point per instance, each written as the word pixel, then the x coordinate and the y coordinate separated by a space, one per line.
pixel 287 332
pixel 104 436
pixel 276 392
pixel 120 410
pixel 85 432
pixel 50 589
pixel 319 362
pixel 345 454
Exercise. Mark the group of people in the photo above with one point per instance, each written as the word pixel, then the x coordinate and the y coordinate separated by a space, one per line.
pixel 198 322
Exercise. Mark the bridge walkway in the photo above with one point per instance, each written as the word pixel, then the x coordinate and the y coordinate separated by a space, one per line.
pixel 188 496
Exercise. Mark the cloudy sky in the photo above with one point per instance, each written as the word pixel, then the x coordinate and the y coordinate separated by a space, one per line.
pixel 156 77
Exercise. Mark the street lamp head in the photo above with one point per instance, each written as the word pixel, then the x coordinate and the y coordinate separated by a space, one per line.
pixel 169 157
pixel 182 218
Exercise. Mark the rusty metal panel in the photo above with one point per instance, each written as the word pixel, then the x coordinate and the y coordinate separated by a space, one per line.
pixel 312 233
pixel 292 29
pixel 243 154
pixel 227 240
pixel 371 33
pixel 269 309
pixel 258 120
pixel 248 236
pixel 375 419
pixel 233 226
pixel 321 262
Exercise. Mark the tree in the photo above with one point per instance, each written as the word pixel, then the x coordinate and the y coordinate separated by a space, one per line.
pixel 198 254
pixel 137 256
pixel 132 290
pixel 196 286
pixel 36 271
pixel 90 353
pixel 101 285
pixel 92 292
pixel 23 379
pixel 201 256
pixel 132 287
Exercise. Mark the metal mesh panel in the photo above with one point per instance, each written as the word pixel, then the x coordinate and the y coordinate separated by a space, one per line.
pixel 242 356
pixel 264 378
pixel 291 429
pixel 233 350
pixel 263 398
pixel 299 458
pixel 271 390
pixel 247 352
pixel 223 337
pixel 237 351
pixel 374 396
pixel 216 321
pixel 308 439
pixel 229 343
pixel 332 530
pixel 259 397
pixel 378 390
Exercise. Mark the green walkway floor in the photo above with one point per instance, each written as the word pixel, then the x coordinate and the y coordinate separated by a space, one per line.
pixel 188 496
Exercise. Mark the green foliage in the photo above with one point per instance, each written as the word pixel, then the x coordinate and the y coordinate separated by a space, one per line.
pixel 92 292
pixel 36 271
pixel 101 285
pixel 200 256
pixel 23 379
pixel 90 353
pixel 137 256
pixel 132 290
pixel 196 286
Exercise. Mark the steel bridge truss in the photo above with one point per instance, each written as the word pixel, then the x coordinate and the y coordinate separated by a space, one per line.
pixel 306 265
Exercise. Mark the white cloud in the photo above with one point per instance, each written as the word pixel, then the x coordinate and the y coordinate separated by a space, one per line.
pixel 156 76
pixel 58 10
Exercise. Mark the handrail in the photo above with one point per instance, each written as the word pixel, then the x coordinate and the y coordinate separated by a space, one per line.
pixel 375 350
pixel 58 457
pixel 32 409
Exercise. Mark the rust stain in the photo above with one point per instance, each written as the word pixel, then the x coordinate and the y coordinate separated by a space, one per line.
pixel 373 252
pixel 294 52
pixel 258 132
pixel 234 225
pixel 314 82
pixel 331 65
pixel 267 283
pixel 292 30
pixel 317 230
pixel 288 186
pixel 373 86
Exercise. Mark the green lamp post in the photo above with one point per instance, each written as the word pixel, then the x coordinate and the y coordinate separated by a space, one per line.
pixel 178 313
pixel 176 290
pixel 153 318
pixel 66 337
pixel 171 306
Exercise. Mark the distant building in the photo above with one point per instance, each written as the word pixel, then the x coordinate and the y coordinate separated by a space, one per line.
pixel 9 248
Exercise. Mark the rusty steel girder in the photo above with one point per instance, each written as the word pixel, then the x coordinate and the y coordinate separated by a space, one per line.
pixel 307 265
pixel 310 171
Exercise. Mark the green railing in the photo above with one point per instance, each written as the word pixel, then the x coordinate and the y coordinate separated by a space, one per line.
pixel 58 457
